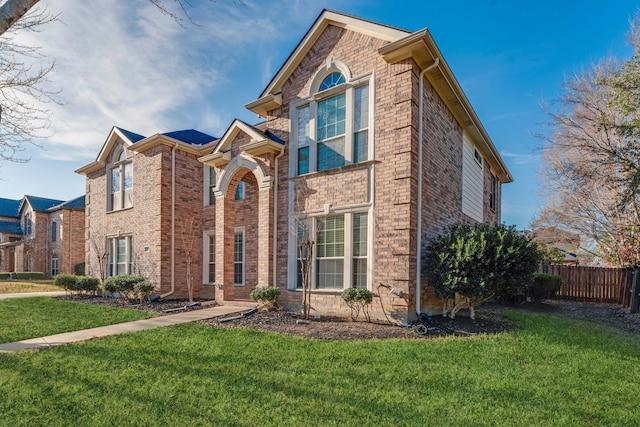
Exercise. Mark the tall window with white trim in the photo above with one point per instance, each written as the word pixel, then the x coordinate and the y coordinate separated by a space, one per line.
pixel 360 250
pixel 238 258
pixel 120 251
pixel 330 253
pixel 120 184
pixel 331 128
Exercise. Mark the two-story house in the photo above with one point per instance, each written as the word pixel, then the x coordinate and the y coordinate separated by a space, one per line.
pixel 368 144
pixel 41 234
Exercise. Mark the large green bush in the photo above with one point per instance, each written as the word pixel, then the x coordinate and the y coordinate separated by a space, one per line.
pixel 478 262
pixel 87 283
pixel 544 286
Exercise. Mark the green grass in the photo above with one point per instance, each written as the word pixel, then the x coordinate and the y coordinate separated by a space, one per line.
pixel 24 318
pixel 550 372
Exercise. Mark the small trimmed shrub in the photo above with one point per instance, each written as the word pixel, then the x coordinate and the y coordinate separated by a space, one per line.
pixel 357 300
pixel 87 284
pixel 66 281
pixel 5 276
pixel 143 290
pixel 123 286
pixel 268 295
pixel 78 269
pixel 28 275
pixel 544 286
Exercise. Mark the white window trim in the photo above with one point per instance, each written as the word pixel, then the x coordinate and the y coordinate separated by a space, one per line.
pixel 348 89
pixel 244 250
pixel 122 194
pixel 205 259
pixel 348 249
pixel 207 188
pixel 111 246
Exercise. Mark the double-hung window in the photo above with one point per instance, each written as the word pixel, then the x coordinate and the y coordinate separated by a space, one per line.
pixel 340 258
pixel 121 184
pixel 55 266
pixel 210 184
pixel 120 250
pixel 331 128
pixel 493 192
pixel 238 258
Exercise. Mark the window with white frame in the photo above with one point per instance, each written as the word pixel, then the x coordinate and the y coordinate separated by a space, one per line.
pixel 331 128
pixel 210 257
pixel 238 258
pixel 120 254
pixel 340 259
pixel 120 184
pixel 55 266
pixel 27 223
pixel 210 184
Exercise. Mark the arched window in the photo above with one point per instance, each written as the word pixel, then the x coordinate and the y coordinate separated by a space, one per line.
pixel 120 186
pixel 331 129
pixel 332 80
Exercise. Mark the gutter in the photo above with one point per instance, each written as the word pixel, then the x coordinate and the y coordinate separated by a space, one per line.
pixel 419 226
pixel 173 222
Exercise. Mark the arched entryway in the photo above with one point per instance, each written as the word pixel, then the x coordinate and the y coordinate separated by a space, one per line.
pixel 244 206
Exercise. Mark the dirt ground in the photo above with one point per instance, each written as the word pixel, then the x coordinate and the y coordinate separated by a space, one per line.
pixel 489 319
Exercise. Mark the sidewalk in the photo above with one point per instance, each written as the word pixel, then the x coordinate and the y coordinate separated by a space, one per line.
pixel 122 328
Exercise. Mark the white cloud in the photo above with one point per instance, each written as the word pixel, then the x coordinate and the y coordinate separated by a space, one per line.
pixel 521 158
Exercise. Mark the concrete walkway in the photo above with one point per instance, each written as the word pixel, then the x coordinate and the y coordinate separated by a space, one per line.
pixel 123 328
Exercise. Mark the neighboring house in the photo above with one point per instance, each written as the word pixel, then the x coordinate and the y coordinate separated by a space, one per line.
pixel 41 234
pixel 367 140
pixel 555 238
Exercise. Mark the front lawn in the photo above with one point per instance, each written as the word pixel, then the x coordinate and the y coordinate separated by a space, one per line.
pixel 13 287
pixel 550 372
pixel 33 317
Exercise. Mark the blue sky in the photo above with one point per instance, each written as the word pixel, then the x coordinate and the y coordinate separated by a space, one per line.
pixel 125 64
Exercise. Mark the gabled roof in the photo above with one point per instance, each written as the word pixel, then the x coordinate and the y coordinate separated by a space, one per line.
pixel 419 46
pixel 10 227
pixel 39 204
pixel 189 140
pixel 9 207
pixel 74 204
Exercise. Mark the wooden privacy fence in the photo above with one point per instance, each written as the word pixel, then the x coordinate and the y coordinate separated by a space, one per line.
pixel 593 284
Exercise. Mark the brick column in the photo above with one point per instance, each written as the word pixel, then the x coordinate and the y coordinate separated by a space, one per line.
pixel 265 249
pixel 226 292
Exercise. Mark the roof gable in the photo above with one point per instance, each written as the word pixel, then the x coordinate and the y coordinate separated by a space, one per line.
pixel 326 18
pixel 39 204
pixel 116 133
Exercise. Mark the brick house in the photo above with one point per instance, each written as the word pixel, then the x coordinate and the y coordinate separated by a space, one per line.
pixel 368 144
pixel 42 235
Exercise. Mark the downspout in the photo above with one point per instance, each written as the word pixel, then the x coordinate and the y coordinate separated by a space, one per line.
pixel 275 218
pixel 70 238
pixel 173 222
pixel 419 227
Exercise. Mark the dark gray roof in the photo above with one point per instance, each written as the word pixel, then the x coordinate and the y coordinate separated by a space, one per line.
pixel 76 204
pixel 9 207
pixel 10 227
pixel 191 136
pixel 40 204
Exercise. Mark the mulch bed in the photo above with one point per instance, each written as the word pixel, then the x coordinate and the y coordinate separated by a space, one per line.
pixel 489 319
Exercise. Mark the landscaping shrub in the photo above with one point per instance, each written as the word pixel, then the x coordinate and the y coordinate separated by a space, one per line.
pixel 66 281
pixel 544 286
pixel 357 300
pixel 78 269
pixel 143 290
pixel 478 262
pixel 87 284
pixel 5 276
pixel 268 295
pixel 28 275
pixel 123 286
